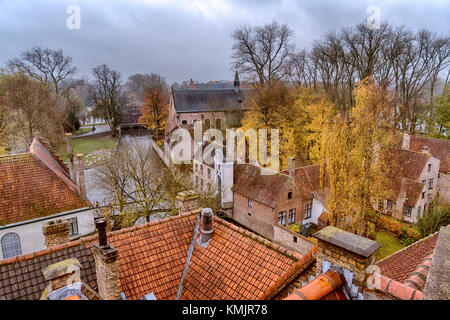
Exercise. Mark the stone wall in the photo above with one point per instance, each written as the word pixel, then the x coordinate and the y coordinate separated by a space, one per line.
pixel 292 240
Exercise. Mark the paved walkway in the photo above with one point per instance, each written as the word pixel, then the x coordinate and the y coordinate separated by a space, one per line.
pixel 98 129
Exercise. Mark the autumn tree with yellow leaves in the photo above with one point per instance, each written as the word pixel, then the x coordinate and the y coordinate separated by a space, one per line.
pixel 352 165
pixel 155 107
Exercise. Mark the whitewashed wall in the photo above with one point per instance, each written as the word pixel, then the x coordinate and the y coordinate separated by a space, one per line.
pixel 31 237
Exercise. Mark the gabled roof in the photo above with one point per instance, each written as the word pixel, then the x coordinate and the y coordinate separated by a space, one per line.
pixel 413 190
pixel 208 100
pixel 405 163
pixel 236 264
pixel 266 189
pixel 401 264
pixel 307 179
pixel 439 148
pixel 35 185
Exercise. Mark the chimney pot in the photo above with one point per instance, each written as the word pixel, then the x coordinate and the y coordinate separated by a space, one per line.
pixel 406 141
pixel 291 166
pixel 207 226
pixel 100 224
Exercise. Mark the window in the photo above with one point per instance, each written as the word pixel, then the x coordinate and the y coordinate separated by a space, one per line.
pixel 11 245
pixel 250 203
pixel 407 211
pixel 196 167
pixel 196 180
pixel 184 122
pixel 423 195
pixel 73 226
pixel 208 185
pixel 308 211
pixel 389 205
pixel 201 169
pixel 218 124
pixel 430 183
pixel 429 167
pixel 201 184
pixel 424 181
pixel 289 195
pixel 249 214
pixel 295 239
pixel 207 124
pixel 429 198
pixel 291 218
pixel 209 173
pixel 381 205
pixel 282 218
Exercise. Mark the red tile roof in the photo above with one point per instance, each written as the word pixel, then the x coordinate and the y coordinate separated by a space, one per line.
pixel 30 189
pixel 237 264
pixel 307 179
pixel 401 264
pixel 266 189
pixel 438 148
pixel 406 164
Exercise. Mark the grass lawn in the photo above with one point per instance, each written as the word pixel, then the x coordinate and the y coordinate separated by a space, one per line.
pixel 87 145
pixel 390 244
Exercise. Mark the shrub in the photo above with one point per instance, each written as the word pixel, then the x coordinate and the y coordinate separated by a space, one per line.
pixel 435 217
pixel 295 227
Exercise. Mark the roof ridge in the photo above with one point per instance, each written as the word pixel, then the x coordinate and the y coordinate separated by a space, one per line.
pixel 76 192
pixel 260 239
pixel 40 252
pixel 410 246
pixel 15 155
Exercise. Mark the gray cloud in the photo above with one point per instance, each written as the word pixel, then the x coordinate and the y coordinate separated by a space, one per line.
pixel 184 39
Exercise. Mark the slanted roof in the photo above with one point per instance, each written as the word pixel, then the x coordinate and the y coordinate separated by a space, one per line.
pixel 438 148
pixel 236 264
pixel 307 179
pixel 399 265
pixel 208 100
pixel 266 189
pixel 31 188
pixel 413 190
pixel 21 277
pixel 405 163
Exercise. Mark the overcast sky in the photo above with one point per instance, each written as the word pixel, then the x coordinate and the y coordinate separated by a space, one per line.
pixel 183 39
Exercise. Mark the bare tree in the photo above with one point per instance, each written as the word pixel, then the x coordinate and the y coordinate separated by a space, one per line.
pixel 107 95
pixel 28 106
pixel 262 53
pixel 48 66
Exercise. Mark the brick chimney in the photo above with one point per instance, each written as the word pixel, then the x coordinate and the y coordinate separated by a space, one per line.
pixel 187 201
pixel 56 232
pixel 426 149
pixel 61 274
pixel 350 253
pixel 106 265
pixel 70 156
pixel 207 227
pixel 81 180
pixel 291 166
pixel 406 141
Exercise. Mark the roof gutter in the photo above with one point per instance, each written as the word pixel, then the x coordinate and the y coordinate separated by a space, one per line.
pixel 16 224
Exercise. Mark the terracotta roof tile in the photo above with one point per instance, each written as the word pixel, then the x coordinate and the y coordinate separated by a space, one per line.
pixel 30 189
pixel 235 265
pixel 401 264
pixel 439 148
pixel 249 182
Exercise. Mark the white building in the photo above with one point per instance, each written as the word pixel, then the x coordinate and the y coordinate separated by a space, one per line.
pixel 36 187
